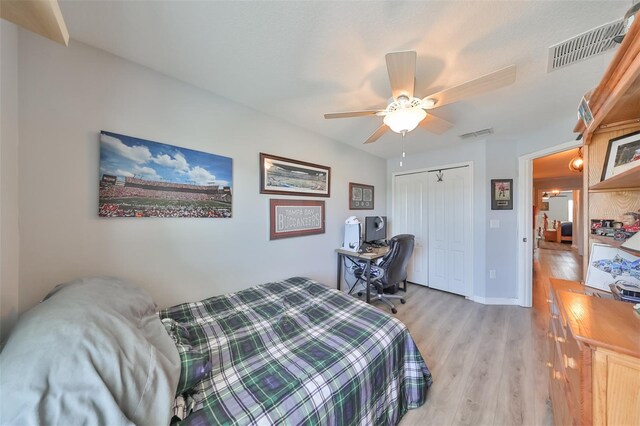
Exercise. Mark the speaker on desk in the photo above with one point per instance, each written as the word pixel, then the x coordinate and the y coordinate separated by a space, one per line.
pixel 351 236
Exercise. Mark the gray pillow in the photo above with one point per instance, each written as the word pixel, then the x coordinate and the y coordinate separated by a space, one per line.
pixel 93 352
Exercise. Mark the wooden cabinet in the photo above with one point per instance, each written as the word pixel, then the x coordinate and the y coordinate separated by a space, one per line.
pixel 593 358
pixel 615 104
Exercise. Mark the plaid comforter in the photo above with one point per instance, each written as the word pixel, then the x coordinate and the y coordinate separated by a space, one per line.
pixel 297 352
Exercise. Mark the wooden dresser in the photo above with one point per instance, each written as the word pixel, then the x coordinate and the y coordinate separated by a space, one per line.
pixel 593 358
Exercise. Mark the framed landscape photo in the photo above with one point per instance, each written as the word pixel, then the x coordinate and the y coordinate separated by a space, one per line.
pixel 501 194
pixel 360 196
pixel 623 153
pixel 295 218
pixel 279 175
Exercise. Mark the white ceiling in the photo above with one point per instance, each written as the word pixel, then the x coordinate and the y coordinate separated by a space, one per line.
pixel 298 60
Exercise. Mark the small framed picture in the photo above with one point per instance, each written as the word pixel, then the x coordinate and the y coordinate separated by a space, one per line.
pixel 544 207
pixel 360 196
pixel 501 194
pixel 584 113
pixel 623 153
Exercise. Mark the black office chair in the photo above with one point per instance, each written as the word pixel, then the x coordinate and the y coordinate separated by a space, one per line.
pixel 392 270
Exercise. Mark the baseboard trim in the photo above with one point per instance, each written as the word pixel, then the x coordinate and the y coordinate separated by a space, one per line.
pixel 495 300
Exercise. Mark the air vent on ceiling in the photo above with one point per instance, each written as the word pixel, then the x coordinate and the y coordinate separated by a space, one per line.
pixel 584 46
pixel 477 133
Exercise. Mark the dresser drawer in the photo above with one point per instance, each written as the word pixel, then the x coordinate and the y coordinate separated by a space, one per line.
pixel 562 402
pixel 577 363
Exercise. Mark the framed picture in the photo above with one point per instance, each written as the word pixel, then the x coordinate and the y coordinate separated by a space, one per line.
pixel 141 178
pixel 544 207
pixel 295 218
pixel 584 113
pixel 360 196
pixel 623 153
pixel 609 264
pixel 279 175
pixel 501 194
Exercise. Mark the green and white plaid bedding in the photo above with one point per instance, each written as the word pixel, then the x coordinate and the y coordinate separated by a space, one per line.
pixel 297 352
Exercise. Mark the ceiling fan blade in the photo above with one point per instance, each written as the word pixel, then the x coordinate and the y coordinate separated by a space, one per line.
pixel 350 114
pixel 402 72
pixel 377 134
pixel 486 83
pixel 435 124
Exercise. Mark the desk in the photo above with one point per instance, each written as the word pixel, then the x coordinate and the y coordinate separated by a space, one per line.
pixel 366 257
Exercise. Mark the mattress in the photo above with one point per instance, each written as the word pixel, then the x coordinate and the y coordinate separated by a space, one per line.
pixel 298 352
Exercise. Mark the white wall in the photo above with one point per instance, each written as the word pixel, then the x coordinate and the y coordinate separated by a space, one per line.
pixel 67 95
pixel 495 248
pixel 9 238
pixel 558 207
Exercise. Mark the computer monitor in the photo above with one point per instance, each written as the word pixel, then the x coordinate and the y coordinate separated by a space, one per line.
pixel 375 229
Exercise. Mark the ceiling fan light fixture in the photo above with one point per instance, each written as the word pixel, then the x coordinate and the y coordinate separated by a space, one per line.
pixel 428 103
pixel 404 119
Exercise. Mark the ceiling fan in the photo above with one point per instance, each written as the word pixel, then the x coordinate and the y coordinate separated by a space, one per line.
pixel 554 194
pixel 405 112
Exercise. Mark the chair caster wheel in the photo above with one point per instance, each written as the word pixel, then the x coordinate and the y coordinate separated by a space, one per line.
pixel 359 293
pixel 403 301
pixel 394 311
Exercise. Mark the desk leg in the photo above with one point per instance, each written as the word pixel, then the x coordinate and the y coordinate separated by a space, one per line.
pixel 339 270
pixel 368 281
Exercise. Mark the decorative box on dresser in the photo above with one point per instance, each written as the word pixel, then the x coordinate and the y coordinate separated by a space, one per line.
pixel 593 358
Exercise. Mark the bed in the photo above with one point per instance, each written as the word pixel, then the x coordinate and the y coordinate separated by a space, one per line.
pixel 560 232
pixel 292 352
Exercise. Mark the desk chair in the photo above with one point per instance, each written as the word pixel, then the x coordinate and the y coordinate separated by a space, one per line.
pixel 392 270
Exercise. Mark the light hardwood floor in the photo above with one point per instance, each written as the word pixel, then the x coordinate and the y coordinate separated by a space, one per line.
pixel 488 362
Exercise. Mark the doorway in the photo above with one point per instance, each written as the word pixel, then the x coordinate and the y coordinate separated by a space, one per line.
pixel 531 201
pixel 435 206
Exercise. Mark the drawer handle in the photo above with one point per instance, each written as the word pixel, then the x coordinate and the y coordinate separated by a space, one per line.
pixel 569 362
pixel 560 339
pixel 549 301
pixel 557 375
pixel 549 364
pixel 554 316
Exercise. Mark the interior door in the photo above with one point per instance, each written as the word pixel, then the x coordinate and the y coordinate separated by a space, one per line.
pixel 409 217
pixel 449 217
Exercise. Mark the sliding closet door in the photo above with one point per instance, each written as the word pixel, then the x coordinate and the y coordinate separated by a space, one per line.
pixel 409 217
pixel 449 218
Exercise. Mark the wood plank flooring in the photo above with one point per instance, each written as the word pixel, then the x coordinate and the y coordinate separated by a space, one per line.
pixel 488 362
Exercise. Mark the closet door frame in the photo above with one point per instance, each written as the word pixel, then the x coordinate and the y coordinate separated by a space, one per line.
pixel 469 165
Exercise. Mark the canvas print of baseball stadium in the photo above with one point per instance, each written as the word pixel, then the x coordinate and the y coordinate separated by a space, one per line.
pixel 141 178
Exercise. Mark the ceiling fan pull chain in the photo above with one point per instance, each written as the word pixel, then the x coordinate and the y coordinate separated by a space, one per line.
pixel 403 153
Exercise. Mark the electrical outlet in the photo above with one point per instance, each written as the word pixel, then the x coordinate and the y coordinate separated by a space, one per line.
pixel 492 273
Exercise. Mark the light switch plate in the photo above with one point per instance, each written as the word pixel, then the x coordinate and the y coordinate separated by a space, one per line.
pixel 494 223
